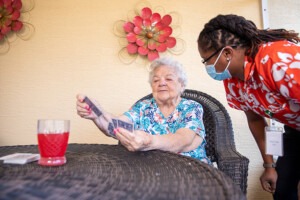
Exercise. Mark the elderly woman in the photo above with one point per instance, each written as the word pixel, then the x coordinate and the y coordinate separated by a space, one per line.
pixel 166 122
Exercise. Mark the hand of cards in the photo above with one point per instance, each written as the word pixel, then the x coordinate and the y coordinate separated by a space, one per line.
pixel 116 123
pixel 92 106
pixel 122 124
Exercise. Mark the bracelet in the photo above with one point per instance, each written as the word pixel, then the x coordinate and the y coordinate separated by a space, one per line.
pixel 269 165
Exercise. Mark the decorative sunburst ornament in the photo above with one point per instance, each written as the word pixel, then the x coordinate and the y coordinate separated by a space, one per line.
pixel 148 34
pixel 13 25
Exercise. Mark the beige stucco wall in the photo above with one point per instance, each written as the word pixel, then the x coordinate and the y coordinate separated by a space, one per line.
pixel 75 51
pixel 284 16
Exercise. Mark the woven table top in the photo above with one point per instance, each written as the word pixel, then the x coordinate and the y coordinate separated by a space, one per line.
pixel 97 171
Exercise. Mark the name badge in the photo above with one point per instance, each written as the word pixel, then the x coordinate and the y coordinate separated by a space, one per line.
pixel 274 141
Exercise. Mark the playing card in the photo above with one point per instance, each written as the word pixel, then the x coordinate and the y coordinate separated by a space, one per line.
pixel 115 122
pixel 125 125
pixel 92 106
pixel 111 129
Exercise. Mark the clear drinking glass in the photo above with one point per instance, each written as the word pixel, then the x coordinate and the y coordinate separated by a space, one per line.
pixel 53 138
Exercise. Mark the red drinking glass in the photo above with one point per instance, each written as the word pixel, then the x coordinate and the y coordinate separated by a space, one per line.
pixel 53 138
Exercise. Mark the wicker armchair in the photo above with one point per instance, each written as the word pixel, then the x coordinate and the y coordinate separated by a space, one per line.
pixel 220 145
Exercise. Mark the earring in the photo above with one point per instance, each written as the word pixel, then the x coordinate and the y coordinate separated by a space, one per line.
pixel 227 59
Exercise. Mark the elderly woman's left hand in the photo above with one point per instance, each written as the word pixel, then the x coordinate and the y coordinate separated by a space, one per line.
pixel 136 141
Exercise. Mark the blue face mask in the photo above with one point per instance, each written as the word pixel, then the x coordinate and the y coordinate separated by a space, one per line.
pixel 211 70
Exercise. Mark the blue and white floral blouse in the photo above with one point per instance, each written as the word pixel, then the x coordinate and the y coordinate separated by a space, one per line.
pixel 146 116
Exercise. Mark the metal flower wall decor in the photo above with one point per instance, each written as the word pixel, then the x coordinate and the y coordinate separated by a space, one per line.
pixel 148 34
pixel 13 23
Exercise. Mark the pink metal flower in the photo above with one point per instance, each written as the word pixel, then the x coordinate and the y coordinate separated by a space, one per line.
pixel 9 16
pixel 148 34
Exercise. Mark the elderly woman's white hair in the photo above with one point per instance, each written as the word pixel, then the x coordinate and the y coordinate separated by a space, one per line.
pixel 171 63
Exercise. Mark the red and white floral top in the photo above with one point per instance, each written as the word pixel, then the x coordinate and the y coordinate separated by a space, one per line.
pixel 272 84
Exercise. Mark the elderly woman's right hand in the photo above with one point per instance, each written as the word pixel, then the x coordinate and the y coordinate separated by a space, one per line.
pixel 83 109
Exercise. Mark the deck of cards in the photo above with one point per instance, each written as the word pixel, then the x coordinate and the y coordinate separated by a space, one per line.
pixel 94 108
pixel 20 158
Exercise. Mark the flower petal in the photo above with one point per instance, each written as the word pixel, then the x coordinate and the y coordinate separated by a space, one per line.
pixel 17 4
pixel 141 41
pixel 170 42
pixel 147 24
pixel 132 48
pixel 159 38
pixel 166 20
pixel 146 13
pixel 16 25
pixel 128 27
pixel 15 15
pixel 9 10
pixel 166 31
pixel 152 44
pixel 7 22
pixel 7 3
pixel 138 30
pixel 131 37
pixel 278 70
pixel 295 65
pixel 143 51
pixel 5 29
pixel 285 57
pixel 152 55
pixel 138 21
pixel 162 47
pixel 158 27
pixel 155 18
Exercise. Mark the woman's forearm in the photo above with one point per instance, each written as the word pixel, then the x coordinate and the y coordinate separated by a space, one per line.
pixel 257 126
pixel 104 123
pixel 182 141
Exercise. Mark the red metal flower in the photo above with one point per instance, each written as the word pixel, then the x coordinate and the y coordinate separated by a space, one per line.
pixel 9 14
pixel 148 34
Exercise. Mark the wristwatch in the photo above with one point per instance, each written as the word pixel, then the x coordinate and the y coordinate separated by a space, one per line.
pixel 269 165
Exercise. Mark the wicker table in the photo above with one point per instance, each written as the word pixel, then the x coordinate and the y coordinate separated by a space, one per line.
pixel 96 171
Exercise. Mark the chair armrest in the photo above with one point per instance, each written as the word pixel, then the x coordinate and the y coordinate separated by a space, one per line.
pixel 233 164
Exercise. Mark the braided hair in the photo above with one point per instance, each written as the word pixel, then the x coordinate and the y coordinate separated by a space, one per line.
pixel 229 30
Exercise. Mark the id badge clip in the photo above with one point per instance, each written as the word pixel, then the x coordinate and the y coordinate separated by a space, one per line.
pixel 274 139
